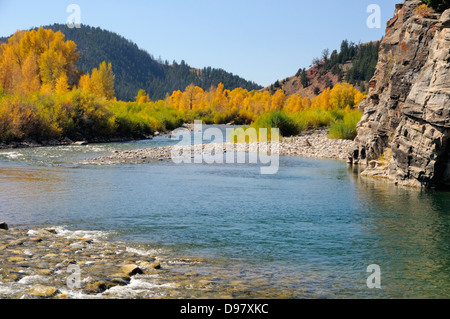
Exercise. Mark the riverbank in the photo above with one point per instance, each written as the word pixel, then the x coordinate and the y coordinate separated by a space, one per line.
pixel 56 263
pixel 84 141
pixel 38 263
pixel 313 144
pixel 67 141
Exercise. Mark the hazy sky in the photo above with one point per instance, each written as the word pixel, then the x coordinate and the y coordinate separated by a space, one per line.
pixel 262 41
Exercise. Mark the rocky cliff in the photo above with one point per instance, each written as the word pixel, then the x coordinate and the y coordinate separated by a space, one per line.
pixel 404 135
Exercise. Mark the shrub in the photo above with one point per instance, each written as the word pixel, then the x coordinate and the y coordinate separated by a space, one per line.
pixel 345 128
pixel 280 120
pixel 315 118
pixel 423 10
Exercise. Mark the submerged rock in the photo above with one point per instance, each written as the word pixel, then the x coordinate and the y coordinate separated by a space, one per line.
pixel 131 270
pixel 96 287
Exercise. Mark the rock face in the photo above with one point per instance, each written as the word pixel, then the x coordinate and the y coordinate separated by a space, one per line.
pixel 404 135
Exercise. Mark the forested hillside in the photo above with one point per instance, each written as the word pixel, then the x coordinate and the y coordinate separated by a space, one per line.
pixel 354 64
pixel 136 69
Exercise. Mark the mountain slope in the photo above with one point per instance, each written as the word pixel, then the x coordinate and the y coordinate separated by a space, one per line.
pixel 354 64
pixel 136 69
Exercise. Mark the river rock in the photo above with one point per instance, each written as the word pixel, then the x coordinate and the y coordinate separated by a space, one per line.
pixel 3 226
pixel 131 270
pixel 116 281
pixel 80 143
pixel 16 259
pixel 43 291
pixel 96 287
pixel 154 265
pixel 86 240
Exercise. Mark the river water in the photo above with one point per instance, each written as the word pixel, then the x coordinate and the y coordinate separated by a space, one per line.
pixel 311 230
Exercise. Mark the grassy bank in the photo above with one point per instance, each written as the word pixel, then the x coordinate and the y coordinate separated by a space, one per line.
pixel 80 115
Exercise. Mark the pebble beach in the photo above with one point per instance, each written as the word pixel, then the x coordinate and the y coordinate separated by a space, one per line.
pixel 311 144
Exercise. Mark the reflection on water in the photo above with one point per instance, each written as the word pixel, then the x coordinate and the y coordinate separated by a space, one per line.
pixel 309 231
pixel 410 231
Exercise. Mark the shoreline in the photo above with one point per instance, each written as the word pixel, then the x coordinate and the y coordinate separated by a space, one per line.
pixel 56 263
pixel 83 141
pixel 36 263
pixel 311 144
pixel 68 142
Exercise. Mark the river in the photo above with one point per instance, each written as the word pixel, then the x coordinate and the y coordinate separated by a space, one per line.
pixel 311 230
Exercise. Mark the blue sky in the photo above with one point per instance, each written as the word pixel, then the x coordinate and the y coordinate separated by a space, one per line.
pixel 262 41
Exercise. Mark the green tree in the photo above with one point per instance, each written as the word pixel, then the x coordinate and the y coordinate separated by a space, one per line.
pixel 304 78
pixel 439 5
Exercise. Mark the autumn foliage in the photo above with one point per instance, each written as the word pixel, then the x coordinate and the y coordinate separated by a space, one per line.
pixel 37 60
pixel 43 96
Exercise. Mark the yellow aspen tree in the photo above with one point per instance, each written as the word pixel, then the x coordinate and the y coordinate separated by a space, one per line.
pixel 7 67
pixel 266 100
pixel 46 89
pixel 30 74
pixel 175 99
pixel 191 97
pixel 85 83
pixel 51 65
pixel 220 101
pixel 142 97
pixel 278 100
pixel 62 85
pixel 293 103
pixel 107 80
pixel 95 83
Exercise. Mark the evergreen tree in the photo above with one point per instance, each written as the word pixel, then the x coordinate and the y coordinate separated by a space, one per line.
pixel 304 78
pixel 439 5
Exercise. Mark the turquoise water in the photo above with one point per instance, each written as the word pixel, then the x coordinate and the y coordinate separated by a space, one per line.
pixel 310 230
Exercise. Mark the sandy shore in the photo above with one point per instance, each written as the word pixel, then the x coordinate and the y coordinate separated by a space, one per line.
pixel 314 144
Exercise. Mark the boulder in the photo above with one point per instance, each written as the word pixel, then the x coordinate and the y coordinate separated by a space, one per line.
pixel 151 265
pixel 116 281
pixel 96 287
pixel 3 226
pixel 131 270
pixel 155 265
